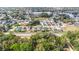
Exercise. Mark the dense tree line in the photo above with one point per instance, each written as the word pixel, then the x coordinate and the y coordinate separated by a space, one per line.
pixel 74 39
pixel 43 41
pixel 11 42
pixel 34 23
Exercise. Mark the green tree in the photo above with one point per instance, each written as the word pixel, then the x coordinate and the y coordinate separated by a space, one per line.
pixel 26 47
pixel 34 23
pixel 15 47
pixel 44 15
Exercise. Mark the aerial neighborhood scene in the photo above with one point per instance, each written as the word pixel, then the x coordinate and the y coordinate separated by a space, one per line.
pixel 39 29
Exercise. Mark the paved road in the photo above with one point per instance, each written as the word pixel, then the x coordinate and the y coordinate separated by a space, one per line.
pixel 24 34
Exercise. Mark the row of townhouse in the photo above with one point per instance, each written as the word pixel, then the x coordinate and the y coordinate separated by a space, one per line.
pixel 44 25
pixel 6 22
pixel 4 28
pixel 34 28
pixel 23 22
pixel 51 24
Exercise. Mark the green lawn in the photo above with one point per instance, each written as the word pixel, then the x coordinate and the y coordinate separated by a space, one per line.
pixel 71 28
pixel 40 18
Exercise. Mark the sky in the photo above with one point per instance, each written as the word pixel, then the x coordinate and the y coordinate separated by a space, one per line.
pixel 39 3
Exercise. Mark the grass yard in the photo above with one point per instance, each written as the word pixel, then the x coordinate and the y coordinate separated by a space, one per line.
pixel 40 18
pixel 71 28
